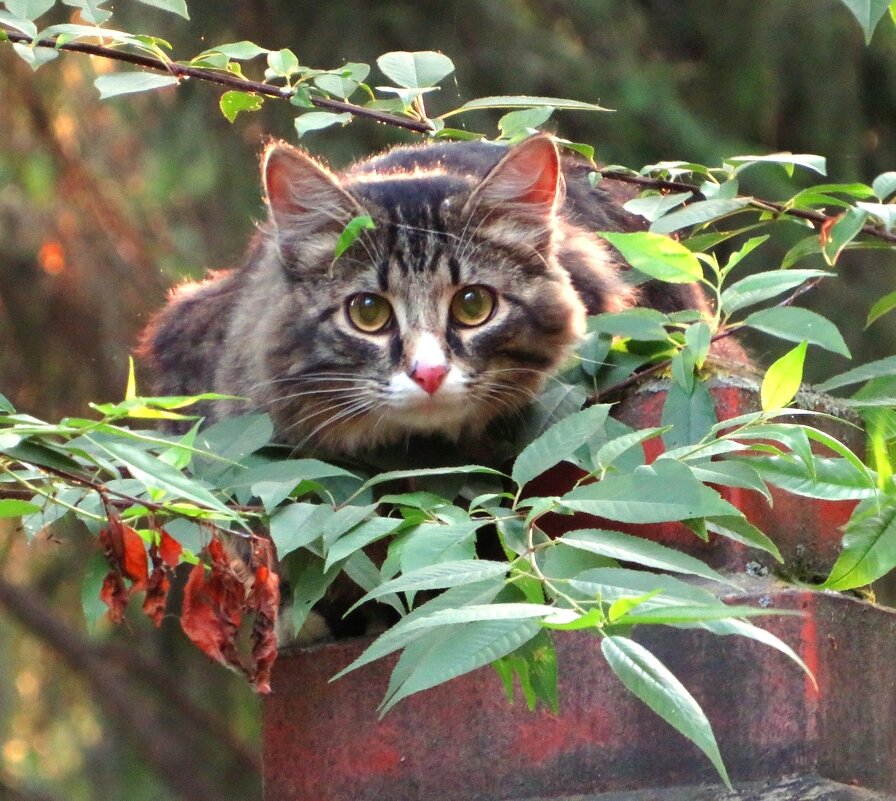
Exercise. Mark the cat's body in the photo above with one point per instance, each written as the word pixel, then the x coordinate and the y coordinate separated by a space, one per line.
pixel 466 296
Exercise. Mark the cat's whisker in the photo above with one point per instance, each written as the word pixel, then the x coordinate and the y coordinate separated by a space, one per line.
pixel 354 410
pixel 338 411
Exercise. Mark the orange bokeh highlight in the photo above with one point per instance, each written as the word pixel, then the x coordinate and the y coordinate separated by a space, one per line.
pixel 52 258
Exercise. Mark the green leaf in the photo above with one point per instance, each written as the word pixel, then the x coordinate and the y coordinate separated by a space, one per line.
pixel 884 305
pixel 430 543
pixel 572 620
pixel 6 406
pixel 652 207
pixel 415 70
pixel 650 681
pixel 884 185
pixel 282 64
pixel 742 531
pixel 457 651
pixel 178 7
pixel 342 83
pixel 868 13
pixel 834 479
pixel 841 233
pixel 796 324
pixel 782 379
pixel 153 473
pixel 885 212
pixel 318 120
pixel 351 232
pixel 698 213
pixel 35 57
pixel 698 338
pixel 395 475
pixel 535 666
pixel 622 447
pixel 35 453
pixel 29 9
pixel 628 548
pixel 274 481
pixel 665 491
pixel 13 507
pixel 229 441
pixel 657 256
pixel 407 629
pixel 522 101
pixel 439 577
pixel 93 608
pixel 683 615
pixel 764 286
pixel 239 51
pixel 8 441
pixel 691 416
pixel 645 325
pixel 788 160
pixel 360 536
pixel 869 545
pixel 743 628
pixel 122 83
pixel 876 369
pixel 232 103
pixel 558 443
pixel 522 122
pixel 609 584
pixel 308 583
pixel 730 474
pixel 296 525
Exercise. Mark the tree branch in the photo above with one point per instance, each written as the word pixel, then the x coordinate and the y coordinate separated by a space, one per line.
pixel 817 217
pixel 241 84
pixel 227 79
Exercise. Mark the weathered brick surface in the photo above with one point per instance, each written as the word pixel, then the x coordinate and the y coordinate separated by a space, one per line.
pixel 462 741
pixel 324 742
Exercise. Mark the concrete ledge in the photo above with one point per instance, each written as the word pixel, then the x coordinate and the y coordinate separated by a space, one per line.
pixel 462 741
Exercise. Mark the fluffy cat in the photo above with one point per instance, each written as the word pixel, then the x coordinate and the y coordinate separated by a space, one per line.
pixel 466 296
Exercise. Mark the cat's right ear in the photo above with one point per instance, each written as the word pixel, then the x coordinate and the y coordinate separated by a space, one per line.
pixel 303 196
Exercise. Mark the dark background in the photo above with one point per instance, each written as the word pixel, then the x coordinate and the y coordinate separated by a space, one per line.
pixel 103 206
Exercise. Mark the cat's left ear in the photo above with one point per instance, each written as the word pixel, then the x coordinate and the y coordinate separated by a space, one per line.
pixel 528 180
pixel 301 193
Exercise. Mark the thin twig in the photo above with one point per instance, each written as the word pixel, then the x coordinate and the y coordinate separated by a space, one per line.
pixel 817 217
pixel 227 79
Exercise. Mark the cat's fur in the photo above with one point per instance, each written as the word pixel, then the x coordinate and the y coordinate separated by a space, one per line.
pixel 277 332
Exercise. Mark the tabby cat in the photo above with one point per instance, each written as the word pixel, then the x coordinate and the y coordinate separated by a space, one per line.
pixel 467 294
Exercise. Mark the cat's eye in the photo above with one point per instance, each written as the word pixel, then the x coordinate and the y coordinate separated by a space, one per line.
pixel 472 305
pixel 368 312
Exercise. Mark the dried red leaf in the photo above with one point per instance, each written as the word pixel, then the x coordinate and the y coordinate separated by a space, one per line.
pixel 135 564
pixel 169 549
pixel 156 596
pixel 266 602
pixel 157 587
pixel 115 595
pixel 213 608
pixel 218 598
pixel 125 551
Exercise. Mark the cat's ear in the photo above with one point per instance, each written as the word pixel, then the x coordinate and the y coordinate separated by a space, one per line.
pixel 528 180
pixel 302 195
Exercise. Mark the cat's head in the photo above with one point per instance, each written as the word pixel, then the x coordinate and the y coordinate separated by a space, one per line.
pixel 449 312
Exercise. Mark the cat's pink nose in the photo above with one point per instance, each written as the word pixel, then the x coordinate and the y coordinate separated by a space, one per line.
pixel 429 376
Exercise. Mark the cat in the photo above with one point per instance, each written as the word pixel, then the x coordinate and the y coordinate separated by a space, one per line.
pixel 466 296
